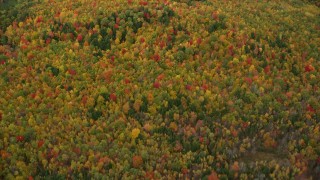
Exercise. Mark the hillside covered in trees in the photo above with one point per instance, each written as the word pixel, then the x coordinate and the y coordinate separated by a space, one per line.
pixel 159 89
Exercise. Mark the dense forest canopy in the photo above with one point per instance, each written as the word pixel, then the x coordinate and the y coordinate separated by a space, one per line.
pixel 159 89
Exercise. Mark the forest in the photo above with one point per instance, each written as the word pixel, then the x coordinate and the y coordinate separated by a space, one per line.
pixel 159 89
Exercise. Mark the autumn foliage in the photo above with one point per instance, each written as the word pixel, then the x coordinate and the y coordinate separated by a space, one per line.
pixel 160 89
